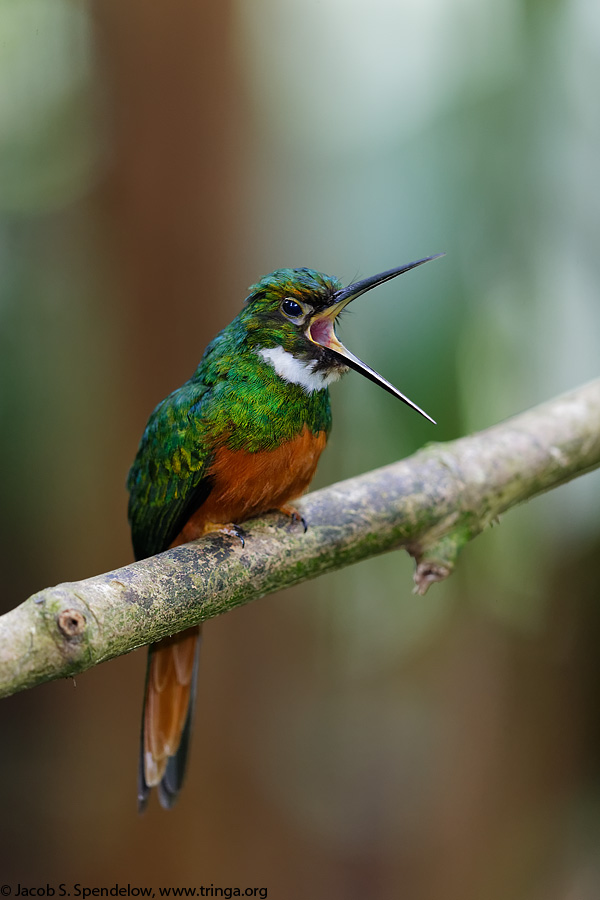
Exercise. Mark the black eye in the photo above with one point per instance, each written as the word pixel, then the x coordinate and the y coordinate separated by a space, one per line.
pixel 291 308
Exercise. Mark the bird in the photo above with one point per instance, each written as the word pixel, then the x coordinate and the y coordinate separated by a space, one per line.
pixel 241 437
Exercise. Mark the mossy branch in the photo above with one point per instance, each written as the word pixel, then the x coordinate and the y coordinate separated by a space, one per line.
pixel 431 504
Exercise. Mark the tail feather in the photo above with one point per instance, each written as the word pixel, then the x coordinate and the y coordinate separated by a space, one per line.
pixel 167 717
pixel 172 780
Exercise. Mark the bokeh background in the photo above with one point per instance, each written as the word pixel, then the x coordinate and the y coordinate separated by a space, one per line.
pixel 352 739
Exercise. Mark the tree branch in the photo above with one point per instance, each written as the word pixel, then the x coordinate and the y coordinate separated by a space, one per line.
pixel 431 504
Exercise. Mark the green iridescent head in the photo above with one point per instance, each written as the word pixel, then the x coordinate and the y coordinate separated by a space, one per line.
pixel 290 317
pixel 279 310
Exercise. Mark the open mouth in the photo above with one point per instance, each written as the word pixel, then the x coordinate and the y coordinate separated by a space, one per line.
pixel 320 331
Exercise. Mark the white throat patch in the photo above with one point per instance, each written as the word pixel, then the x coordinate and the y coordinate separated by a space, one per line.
pixel 293 370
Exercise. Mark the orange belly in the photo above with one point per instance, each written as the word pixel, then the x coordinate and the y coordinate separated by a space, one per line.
pixel 248 484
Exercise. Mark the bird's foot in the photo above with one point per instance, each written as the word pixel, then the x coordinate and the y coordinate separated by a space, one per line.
pixel 229 529
pixel 294 515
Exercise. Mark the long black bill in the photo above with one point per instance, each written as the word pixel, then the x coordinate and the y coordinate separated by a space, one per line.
pixel 321 328
pixel 345 295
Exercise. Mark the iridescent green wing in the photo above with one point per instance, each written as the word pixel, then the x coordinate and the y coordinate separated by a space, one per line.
pixel 168 479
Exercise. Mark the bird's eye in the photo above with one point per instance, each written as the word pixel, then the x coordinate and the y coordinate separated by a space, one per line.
pixel 291 309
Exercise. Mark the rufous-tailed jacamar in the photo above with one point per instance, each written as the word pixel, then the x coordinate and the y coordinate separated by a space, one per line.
pixel 241 437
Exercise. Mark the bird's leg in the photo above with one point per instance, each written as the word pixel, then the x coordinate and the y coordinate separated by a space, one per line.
pixel 230 529
pixel 294 515
pixel 193 530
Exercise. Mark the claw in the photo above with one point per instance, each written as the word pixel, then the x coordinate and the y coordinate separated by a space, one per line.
pixel 238 533
pixel 231 530
pixel 299 518
pixel 234 531
pixel 294 515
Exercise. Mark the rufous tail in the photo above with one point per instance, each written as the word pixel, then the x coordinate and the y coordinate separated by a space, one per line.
pixel 169 696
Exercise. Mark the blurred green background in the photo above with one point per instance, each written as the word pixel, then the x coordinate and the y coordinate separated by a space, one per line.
pixel 352 740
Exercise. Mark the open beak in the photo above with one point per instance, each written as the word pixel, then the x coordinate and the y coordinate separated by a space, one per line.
pixel 321 327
